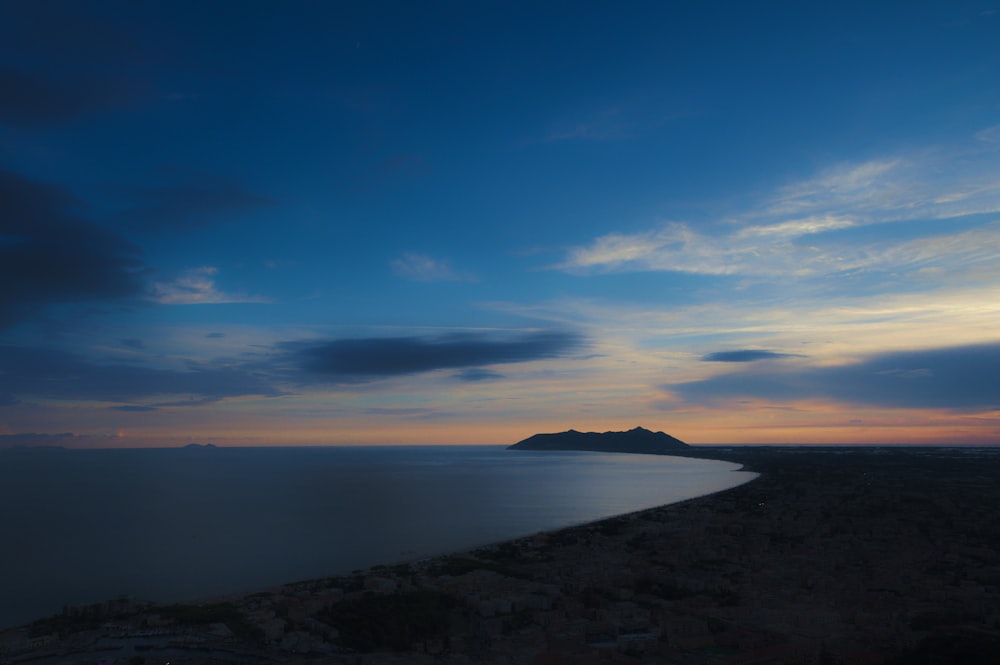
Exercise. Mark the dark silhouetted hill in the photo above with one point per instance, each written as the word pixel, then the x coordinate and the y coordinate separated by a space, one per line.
pixel 638 440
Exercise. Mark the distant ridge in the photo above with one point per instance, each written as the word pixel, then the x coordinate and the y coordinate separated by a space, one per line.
pixel 638 440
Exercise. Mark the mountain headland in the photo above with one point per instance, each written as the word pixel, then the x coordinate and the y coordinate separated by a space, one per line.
pixel 637 440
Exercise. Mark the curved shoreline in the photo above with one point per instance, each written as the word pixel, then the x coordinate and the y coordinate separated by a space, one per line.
pixel 832 554
pixel 397 557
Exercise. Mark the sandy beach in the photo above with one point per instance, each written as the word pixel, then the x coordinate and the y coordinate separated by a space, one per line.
pixel 833 555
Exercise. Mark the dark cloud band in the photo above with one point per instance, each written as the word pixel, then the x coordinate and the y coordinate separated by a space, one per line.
pixel 960 378
pixel 743 356
pixel 48 373
pixel 394 356
pixel 30 372
pixel 49 255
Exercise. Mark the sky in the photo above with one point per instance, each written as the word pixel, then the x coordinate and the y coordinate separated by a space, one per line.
pixel 300 223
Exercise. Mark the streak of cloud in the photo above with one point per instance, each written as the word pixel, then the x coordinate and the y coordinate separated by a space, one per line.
pixel 370 358
pixel 751 252
pixel 196 286
pixel 743 356
pixel 421 268
pixel 47 373
pixel 961 378
pixel 56 440
pixel 806 230
pixel 476 374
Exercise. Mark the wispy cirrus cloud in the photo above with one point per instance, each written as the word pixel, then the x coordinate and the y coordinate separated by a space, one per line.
pixel 796 227
pixel 196 286
pixel 423 268
pixel 807 229
pixel 936 183
pixel 853 188
pixel 831 328
pixel 989 135
pixel 766 251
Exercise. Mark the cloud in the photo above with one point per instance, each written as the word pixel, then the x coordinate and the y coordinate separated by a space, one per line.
pixel 215 335
pixel 399 411
pixel 55 440
pixel 989 135
pixel 196 286
pixel 853 187
pixel 478 374
pixel 962 378
pixel 48 373
pixel 371 358
pixel 760 251
pixel 49 255
pixel 199 202
pixel 782 251
pixel 421 268
pixel 796 227
pixel 812 228
pixel 45 374
pixel 36 440
pixel 935 183
pixel 743 356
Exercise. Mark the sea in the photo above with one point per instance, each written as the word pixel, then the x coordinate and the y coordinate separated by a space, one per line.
pixel 183 524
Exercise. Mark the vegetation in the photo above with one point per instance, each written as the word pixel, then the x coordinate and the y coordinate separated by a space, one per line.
pixel 62 624
pixel 391 622
pixel 457 566
pixel 225 613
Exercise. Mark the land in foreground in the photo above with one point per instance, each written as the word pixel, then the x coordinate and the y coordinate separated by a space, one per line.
pixel 834 555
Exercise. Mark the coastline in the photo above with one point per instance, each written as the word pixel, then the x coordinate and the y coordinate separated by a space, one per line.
pixel 241 520
pixel 849 555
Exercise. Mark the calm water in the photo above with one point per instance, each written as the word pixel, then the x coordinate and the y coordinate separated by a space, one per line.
pixel 169 525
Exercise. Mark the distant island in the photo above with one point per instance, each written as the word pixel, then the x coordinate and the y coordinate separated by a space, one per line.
pixel 638 440
pixel 200 446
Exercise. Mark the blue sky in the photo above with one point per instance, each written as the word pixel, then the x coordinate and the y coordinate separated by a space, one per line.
pixel 465 222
